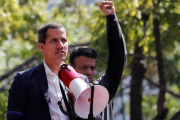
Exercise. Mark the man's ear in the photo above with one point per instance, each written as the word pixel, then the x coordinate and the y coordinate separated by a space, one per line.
pixel 41 47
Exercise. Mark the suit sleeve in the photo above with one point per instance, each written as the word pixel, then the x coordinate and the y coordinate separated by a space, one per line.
pixel 116 57
pixel 16 99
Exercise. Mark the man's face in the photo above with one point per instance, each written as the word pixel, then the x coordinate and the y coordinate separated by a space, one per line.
pixel 86 66
pixel 56 47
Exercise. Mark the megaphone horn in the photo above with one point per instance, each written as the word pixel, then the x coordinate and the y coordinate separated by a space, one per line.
pixel 82 92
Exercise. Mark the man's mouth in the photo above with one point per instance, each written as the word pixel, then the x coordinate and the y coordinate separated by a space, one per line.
pixel 60 52
pixel 90 78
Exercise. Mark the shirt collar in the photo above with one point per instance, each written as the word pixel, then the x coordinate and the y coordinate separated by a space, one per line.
pixel 48 70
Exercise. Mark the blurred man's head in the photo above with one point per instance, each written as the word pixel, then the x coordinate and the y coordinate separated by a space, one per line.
pixel 84 60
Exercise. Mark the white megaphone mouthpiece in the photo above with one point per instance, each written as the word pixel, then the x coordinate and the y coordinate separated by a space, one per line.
pixel 82 92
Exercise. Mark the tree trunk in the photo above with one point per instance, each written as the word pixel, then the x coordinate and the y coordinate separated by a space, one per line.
pixel 138 71
pixel 176 116
pixel 162 112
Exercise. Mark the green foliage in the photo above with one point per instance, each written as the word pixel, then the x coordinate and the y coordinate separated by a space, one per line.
pixel 149 107
pixel 172 103
pixel 13 54
pixel 3 105
pixel 20 22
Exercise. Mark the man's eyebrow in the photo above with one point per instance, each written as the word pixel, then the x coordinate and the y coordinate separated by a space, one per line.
pixel 83 65
pixel 64 38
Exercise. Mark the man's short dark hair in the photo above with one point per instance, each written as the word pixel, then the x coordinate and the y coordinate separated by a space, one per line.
pixel 43 30
pixel 82 51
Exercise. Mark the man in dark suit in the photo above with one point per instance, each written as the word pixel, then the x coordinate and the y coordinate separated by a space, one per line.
pixel 84 59
pixel 34 93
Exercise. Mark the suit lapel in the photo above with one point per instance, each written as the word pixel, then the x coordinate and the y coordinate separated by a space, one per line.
pixel 42 80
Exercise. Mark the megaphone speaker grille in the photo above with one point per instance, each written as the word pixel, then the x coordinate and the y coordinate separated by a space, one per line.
pixel 82 104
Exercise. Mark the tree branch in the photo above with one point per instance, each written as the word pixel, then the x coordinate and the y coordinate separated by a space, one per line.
pixel 166 90
pixel 142 56
pixel 18 68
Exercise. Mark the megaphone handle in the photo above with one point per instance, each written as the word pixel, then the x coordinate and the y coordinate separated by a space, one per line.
pixel 62 110
pixel 90 116
pixel 65 99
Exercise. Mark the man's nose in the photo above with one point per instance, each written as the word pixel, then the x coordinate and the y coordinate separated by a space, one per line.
pixel 88 71
pixel 60 44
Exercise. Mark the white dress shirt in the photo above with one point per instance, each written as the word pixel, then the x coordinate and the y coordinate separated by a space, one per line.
pixel 55 95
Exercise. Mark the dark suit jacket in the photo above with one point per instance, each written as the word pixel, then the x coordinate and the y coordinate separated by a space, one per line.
pixel 28 98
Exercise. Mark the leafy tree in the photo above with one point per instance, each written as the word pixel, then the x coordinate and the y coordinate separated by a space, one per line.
pixel 131 15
